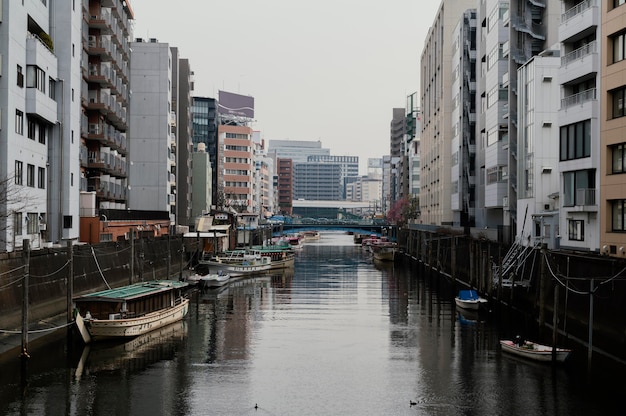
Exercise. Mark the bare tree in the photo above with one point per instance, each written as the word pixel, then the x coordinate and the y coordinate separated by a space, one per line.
pixel 13 199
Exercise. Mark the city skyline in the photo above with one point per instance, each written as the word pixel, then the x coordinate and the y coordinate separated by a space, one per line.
pixel 338 85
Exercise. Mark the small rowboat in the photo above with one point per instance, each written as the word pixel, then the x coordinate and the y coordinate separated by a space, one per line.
pixel 534 351
pixel 469 299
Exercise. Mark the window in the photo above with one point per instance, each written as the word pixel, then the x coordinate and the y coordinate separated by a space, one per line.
pixel 41 178
pixel 43 132
pixel 67 221
pixel 617 99
pixel 52 86
pixel 32 127
pixel 618 152
pixel 19 167
pixel 19 122
pixel 575 140
pixel 20 77
pixel 17 223
pixel 579 188
pixel 618 47
pixel 618 209
pixel 32 223
pixel 35 78
pixel 576 230
pixel 30 175
pixel 617 3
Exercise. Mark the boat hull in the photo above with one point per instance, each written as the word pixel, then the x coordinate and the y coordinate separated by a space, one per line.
pixel 534 351
pixel 237 270
pixel 468 304
pixel 99 329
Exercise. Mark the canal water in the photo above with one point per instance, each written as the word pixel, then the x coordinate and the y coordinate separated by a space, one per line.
pixel 338 335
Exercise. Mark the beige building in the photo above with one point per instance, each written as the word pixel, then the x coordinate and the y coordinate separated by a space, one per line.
pixel 436 104
pixel 612 204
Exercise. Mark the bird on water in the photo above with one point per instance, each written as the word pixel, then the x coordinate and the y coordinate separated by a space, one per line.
pixel 256 406
pixel 412 403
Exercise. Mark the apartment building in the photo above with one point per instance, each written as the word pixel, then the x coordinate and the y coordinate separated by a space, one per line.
pixel 105 97
pixel 204 130
pixel 436 106
pixel 612 143
pixel 29 116
pixel 463 118
pixel 152 178
pixel 285 185
pixel 201 188
pixel 236 165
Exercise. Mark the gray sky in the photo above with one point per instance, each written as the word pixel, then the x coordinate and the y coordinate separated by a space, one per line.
pixel 329 70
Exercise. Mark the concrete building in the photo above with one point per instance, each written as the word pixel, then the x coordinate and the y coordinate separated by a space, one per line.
pixel 30 108
pixel 612 120
pixel 538 153
pixel 205 122
pixel 397 149
pixel 236 165
pixel 152 178
pixel 463 118
pixel 349 167
pixel 181 136
pixel 105 94
pixel 318 181
pixel 436 107
pixel 285 185
pixel 201 185
pixel 296 150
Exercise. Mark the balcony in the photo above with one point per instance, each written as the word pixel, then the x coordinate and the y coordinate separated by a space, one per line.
pixel 39 104
pixel 578 99
pixel 585 201
pixel 579 62
pixel 578 19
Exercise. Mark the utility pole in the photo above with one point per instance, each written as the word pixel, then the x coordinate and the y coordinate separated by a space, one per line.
pixel 26 253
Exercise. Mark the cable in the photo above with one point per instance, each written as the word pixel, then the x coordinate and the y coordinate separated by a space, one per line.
pixel 36 331
pixel 99 269
pixel 11 271
pixel 53 273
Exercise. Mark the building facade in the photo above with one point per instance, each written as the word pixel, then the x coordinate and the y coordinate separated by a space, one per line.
pixel 285 174
pixel 204 128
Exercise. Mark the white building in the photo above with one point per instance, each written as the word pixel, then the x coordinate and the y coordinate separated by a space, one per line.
pixel 30 124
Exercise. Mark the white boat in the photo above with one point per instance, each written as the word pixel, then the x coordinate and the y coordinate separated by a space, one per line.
pixel 469 299
pixel 384 250
pixel 534 351
pixel 215 280
pixel 130 311
pixel 311 235
pixel 235 266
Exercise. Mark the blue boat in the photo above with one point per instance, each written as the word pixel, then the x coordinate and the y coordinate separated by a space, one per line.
pixel 469 299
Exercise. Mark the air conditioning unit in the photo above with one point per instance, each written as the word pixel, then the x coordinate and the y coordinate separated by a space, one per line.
pixel 42 226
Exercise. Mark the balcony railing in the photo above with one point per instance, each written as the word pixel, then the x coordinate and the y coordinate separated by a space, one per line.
pixel 578 99
pixel 585 196
pixel 579 53
pixel 578 9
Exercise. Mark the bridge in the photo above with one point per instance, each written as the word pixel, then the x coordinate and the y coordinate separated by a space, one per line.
pixel 356 227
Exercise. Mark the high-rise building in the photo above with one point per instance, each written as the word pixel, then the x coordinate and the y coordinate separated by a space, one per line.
pixel 152 178
pixel 463 118
pixel 318 181
pixel 205 122
pixel 285 185
pixel 105 94
pixel 201 187
pixel 436 107
pixel 296 150
pixel 235 166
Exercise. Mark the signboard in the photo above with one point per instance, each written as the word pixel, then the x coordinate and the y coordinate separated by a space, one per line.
pixel 235 105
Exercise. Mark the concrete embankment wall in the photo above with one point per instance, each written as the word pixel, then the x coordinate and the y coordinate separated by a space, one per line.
pixel 554 288
pixel 93 268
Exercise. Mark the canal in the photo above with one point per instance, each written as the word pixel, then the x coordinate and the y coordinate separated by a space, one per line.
pixel 338 335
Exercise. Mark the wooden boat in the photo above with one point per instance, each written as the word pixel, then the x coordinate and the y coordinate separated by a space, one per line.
pixel 384 250
pixel 130 311
pixel 235 265
pixel 469 299
pixel 534 351
pixel 283 256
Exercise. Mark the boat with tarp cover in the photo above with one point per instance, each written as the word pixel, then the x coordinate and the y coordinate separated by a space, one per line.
pixel 129 311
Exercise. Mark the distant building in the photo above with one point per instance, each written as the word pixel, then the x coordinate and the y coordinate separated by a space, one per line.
pixel 284 170
pixel 204 122
pixel 318 181
pixel 349 167
pixel 296 150
pixel 201 189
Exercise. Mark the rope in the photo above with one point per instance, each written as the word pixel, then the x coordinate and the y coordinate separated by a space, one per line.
pixel 580 292
pixel 99 269
pixel 53 273
pixel 36 331
pixel 11 271
pixel 13 282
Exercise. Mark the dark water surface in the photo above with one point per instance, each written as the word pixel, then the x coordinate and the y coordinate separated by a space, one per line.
pixel 338 335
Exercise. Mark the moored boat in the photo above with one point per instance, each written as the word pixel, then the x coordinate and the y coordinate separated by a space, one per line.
pixel 384 250
pixel 236 265
pixel 311 235
pixel 534 351
pixel 129 311
pixel 469 299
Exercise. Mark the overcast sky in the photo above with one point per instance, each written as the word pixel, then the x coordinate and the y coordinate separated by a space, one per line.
pixel 329 70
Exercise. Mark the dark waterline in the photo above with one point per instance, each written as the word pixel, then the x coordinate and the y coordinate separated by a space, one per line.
pixel 339 335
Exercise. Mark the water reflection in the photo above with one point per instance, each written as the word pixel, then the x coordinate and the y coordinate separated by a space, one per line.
pixel 340 335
